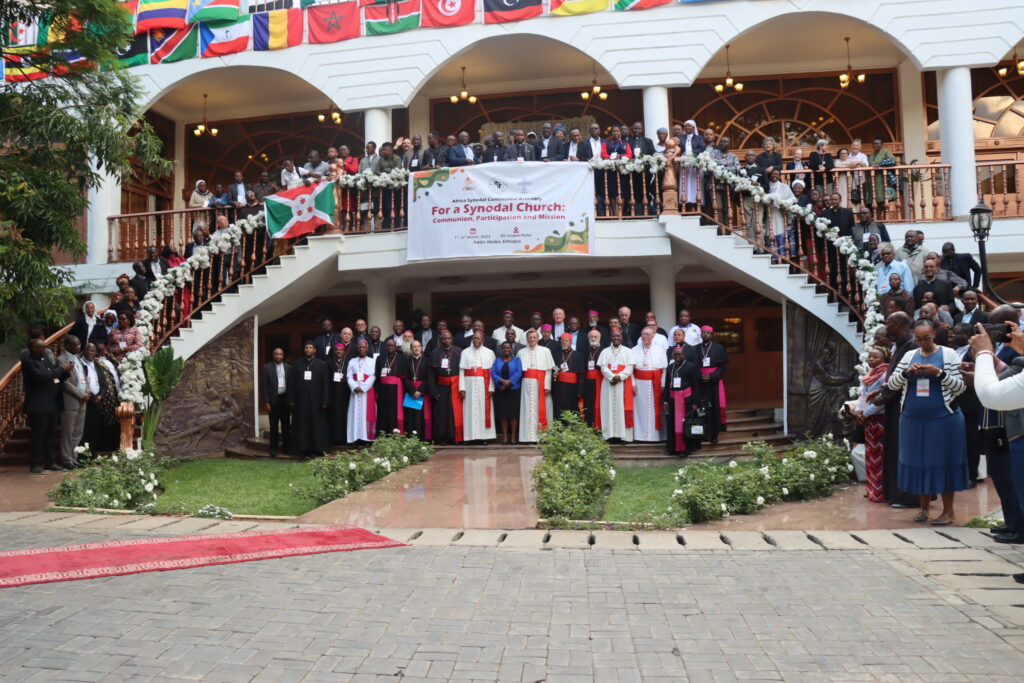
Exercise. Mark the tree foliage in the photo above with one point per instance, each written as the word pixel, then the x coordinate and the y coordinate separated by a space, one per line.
pixel 60 135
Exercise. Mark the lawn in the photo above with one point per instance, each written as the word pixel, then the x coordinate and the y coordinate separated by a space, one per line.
pixel 640 493
pixel 245 487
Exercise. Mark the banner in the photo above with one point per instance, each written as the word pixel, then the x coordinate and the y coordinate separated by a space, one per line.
pixel 501 209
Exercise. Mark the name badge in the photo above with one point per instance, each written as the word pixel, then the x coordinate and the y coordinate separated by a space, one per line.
pixel 923 387
pixel 544 153
pixel 384 371
pixel 414 163
pixel 615 155
pixel 520 159
pixel 444 363
pixel 56 380
pixel 307 375
pixel 636 151
pixel 706 361
pixel 280 384
pixel 337 377
pixel 677 382
pixel 590 365
pixel 697 430
pixel 564 367
pixel 123 345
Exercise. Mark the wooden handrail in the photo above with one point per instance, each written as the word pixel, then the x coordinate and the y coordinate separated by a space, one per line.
pixel 190 209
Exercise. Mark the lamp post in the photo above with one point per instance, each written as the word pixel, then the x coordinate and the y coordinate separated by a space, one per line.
pixel 981 225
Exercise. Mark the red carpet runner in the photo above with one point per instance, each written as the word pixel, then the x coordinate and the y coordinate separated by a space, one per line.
pixel 91 560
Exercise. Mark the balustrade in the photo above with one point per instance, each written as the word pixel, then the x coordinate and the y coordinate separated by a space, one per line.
pixel 1001 187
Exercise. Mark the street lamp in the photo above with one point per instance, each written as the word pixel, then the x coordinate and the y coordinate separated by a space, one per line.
pixel 981 225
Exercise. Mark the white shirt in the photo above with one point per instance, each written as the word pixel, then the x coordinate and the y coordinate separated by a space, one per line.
pixel 859 156
pixel 595 147
pixel 92 378
pixel 292 179
pixel 559 329
pixel 572 149
pixel 241 193
pixel 993 394
pixel 469 152
pixel 280 378
pixel 691 334
pixel 425 337
pixel 155 267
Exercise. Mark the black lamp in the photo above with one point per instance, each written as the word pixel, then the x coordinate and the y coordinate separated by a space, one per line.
pixel 981 225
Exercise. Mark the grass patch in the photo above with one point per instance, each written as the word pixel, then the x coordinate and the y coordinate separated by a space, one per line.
pixel 245 487
pixel 640 494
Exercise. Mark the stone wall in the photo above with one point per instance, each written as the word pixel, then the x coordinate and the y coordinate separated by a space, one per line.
pixel 212 406
pixel 820 369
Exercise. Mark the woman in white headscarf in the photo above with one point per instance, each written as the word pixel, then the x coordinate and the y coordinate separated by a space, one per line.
pixel 200 196
pixel 690 142
pixel 86 324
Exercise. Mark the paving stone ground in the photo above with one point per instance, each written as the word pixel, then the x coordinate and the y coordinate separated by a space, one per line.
pixel 569 608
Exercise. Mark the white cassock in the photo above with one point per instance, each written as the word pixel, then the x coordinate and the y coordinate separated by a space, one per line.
pixel 477 406
pixel 360 374
pixel 646 405
pixel 499 334
pixel 536 359
pixel 615 363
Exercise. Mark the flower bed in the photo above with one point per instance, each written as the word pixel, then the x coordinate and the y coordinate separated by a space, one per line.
pixel 576 470
pixel 126 480
pixel 339 474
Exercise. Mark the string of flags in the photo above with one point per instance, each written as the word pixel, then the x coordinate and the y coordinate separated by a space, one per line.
pixel 174 30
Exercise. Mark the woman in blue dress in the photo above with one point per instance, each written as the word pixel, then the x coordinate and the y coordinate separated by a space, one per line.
pixel 933 445
pixel 507 376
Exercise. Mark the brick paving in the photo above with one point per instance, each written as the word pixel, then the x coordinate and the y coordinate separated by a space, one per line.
pixel 528 606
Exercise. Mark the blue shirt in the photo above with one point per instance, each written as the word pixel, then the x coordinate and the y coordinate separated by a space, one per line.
pixel 884 271
pixel 515 372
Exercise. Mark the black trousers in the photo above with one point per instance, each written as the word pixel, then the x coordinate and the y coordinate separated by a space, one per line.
pixel 999 468
pixel 280 416
pixel 973 444
pixel 42 426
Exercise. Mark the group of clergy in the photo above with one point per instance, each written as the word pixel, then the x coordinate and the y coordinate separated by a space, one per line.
pixel 629 382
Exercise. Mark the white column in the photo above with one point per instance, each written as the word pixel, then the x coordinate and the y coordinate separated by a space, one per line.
pixel 912 114
pixel 380 304
pixel 377 125
pixel 419 117
pixel 656 110
pixel 104 201
pixel 662 276
pixel 180 173
pixel 956 126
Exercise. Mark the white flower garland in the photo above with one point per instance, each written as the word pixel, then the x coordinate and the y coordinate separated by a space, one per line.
pixel 648 162
pixel 133 377
pixel 394 179
pixel 865 271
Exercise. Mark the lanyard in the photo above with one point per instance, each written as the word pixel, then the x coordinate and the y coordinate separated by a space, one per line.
pixel 415 363
pixel 705 352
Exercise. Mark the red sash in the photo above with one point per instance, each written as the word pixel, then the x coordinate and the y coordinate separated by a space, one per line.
pixel 371 407
pixel 721 391
pixel 597 377
pixel 679 400
pixel 653 376
pixel 627 393
pixel 568 377
pixel 453 382
pixel 397 381
pixel 486 374
pixel 542 394
pixel 427 416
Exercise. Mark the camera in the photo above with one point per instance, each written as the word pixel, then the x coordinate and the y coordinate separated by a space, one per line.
pixel 997 332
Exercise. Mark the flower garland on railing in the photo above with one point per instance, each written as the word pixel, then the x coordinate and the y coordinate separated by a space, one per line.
pixel 394 179
pixel 652 163
pixel 865 270
pixel 133 376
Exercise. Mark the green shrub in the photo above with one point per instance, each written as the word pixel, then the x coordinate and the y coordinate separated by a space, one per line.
pixel 576 469
pixel 124 480
pixel 811 469
pixel 339 474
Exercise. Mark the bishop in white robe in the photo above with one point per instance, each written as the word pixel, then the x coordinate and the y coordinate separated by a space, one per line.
pixel 362 405
pixel 535 410
pixel 477 392
pixel 616 363
pixel 650 363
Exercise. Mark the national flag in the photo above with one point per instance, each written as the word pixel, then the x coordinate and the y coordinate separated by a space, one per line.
pixel 225 37
pixel 166 45
pixel 135 52
pixel 212 10
pixel 392 16
pixel 623 5
pixel 18 33
pixel 300 210
pixel 276 30
pixel 444 13
pixel 500 11
pixel 24 63
pixel 160 14
pixel 334 22
pixel 571 7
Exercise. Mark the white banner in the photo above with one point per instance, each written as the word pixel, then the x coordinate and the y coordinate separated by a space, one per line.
pixel 501 209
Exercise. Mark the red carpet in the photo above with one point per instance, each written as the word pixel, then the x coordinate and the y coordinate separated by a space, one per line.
pixel 91 560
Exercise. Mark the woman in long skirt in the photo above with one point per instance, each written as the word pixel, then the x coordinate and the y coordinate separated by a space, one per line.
pixel 507 374
pixel 872 418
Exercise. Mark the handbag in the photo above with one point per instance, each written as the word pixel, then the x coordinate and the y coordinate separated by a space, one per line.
pixel 855 195
pixel 695 423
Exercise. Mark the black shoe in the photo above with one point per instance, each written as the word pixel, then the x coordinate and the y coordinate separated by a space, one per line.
pixel 55 468
pixel 1003 529
pixel 36 470
pixel 1019 578
pixel 901 506
pixel 273 452
pixel 1009 538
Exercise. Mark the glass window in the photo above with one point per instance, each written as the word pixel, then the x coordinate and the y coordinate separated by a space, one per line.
pixel 729 333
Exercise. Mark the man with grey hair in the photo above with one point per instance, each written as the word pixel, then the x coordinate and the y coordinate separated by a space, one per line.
pixel 200 237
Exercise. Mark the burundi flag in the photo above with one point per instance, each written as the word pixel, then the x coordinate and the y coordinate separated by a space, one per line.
pixel 276 30
pixel 166 45
pixel 391 16
pixel 225 37
pixel 444 13
pixel 334 22
pixel 160 14
pixel 570 7
pixel 623 5
pixel 300 210
pixel 212 10
pixel 500 11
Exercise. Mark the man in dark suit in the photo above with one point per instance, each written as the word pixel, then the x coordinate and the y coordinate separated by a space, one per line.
pixel 140 283
pixel 630 330
pixel 549 148
pixel 575 146
pixel 42 389
pixel 276 381
pixel 971 313
pixel 412 155
pixel 963 265
pixel 941 290
pixel 520 149
pixel 841 218
pixel 325 341
pixel 591 149
pixel 237 190
pixel 641 146
pixel 155 266
pixel 460 153
pixel 899 329
pixel 493 151
pixel 426 332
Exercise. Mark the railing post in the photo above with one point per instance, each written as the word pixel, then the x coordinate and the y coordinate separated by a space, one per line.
pixel 669 190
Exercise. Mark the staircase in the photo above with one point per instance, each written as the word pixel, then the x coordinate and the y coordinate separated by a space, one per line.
pixel 16 451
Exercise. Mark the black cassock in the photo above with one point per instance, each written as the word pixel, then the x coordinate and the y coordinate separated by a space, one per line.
pixel 591 377
pixel 308 393
pixel 714 358
pixel 416 372
pixel 441 393
pixel 689 378
pixel 389 405
pixel 339 399
pixel 893 410
pixel 566 394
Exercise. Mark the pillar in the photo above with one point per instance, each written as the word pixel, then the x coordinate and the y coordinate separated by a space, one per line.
pixel 104 201
pixel 419 117
pixel 662 276
pixel 380 303
pixel 377 125
pixel 956 126
pixel 656 110
pixel 912 115
pixel 180 174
